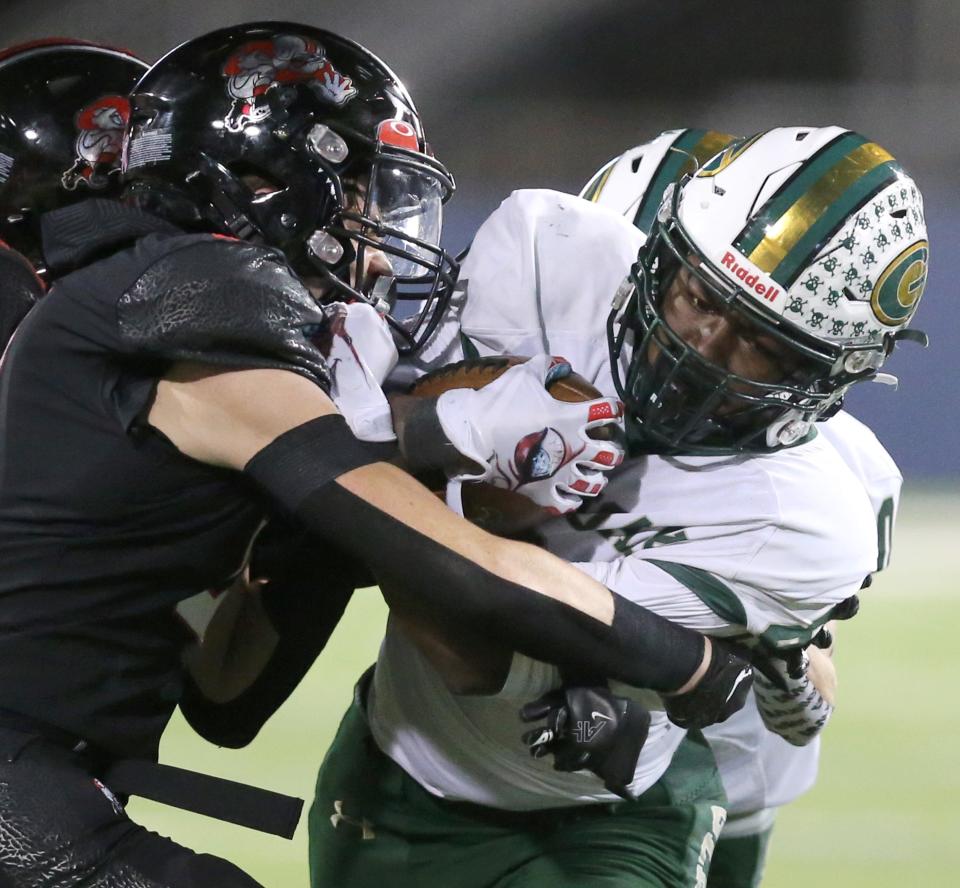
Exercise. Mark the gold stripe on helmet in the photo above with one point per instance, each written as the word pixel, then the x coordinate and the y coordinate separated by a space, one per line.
pixel 784 234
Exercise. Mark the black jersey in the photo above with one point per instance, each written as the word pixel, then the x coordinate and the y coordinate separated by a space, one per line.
pixel 104 525
pixel 19 289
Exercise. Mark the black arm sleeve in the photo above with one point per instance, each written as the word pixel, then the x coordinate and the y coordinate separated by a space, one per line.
pixel 309 587
pixel 640 648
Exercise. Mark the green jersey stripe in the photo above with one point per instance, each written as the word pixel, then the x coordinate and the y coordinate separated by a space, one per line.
pixel 470 351
pixel 714 593
pixel 723 601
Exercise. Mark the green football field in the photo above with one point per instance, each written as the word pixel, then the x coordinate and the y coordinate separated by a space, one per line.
pixel 883 814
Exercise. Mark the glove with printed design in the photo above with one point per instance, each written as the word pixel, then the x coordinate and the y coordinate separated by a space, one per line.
pixel 591 729
pixel 525 440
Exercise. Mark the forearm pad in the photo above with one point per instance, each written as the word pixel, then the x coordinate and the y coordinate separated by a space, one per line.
pixel 791 707
pixel 639 648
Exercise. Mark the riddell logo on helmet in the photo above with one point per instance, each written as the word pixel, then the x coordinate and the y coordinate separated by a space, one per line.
pixel 753 279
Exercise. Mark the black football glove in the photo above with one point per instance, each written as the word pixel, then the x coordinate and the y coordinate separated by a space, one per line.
pixel 592 729
pixel 718 695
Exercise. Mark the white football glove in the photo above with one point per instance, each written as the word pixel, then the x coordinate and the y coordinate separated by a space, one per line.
pixel 526 440
pixel 362 353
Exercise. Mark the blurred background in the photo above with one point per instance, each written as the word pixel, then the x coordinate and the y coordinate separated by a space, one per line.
pixel 539 93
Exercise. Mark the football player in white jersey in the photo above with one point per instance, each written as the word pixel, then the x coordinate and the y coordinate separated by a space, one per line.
pixel 760 770
pixel 781 272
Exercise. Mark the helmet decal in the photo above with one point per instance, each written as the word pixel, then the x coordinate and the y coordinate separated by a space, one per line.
pixel 899 287
pixel 398 133
pixel 856 268
pixel 285 59
pixel 99 142
pixel 786 233
pixel 65 109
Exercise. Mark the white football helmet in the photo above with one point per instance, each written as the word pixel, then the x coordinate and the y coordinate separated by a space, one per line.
pixel 633 183
pixel 815 236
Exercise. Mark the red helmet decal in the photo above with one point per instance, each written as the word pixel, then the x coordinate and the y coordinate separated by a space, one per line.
pixel 398 133
pixel 99 141
pixel 285 59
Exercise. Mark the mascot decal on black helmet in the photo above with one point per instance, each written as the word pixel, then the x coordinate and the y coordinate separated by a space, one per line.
pixel 99 142
pixel 258 65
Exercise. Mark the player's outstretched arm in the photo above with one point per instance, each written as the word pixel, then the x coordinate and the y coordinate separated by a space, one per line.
pixel 285 433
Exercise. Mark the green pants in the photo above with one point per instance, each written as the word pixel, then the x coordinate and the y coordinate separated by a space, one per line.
pixel 739 862
pixel 373 826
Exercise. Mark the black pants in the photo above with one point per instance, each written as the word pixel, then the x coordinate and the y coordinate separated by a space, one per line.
pixel 61 828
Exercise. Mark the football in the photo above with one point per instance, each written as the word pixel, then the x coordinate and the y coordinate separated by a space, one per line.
pixel 500 511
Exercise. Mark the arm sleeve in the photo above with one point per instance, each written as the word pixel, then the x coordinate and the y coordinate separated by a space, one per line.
pixel 644 583
pixel 791 707
pixel 639 582
pixel 299 470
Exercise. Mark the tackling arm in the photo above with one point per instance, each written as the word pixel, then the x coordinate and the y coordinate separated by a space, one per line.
pixel 285 433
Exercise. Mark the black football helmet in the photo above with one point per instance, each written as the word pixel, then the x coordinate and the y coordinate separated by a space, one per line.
pixel 295 137
pixel 63 109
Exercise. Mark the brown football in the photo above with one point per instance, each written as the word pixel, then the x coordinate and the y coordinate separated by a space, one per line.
pixel 503 512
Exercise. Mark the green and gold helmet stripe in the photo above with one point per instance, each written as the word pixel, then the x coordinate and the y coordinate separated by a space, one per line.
pixel 811 205
pixel 691 149
pixel 595 185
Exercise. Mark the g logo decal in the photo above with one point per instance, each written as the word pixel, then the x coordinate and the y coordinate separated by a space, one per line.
pixel 899 288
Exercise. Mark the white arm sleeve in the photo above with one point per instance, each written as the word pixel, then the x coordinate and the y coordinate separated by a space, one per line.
pixel 797 711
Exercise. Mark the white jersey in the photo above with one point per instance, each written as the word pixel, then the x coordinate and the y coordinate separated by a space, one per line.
pixel 763 545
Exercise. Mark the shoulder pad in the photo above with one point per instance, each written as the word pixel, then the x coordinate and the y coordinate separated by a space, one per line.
pixel 20 288
pixel 546 261
pixel 226 302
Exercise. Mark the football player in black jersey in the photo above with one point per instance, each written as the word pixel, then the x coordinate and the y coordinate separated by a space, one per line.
pixel 170 393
